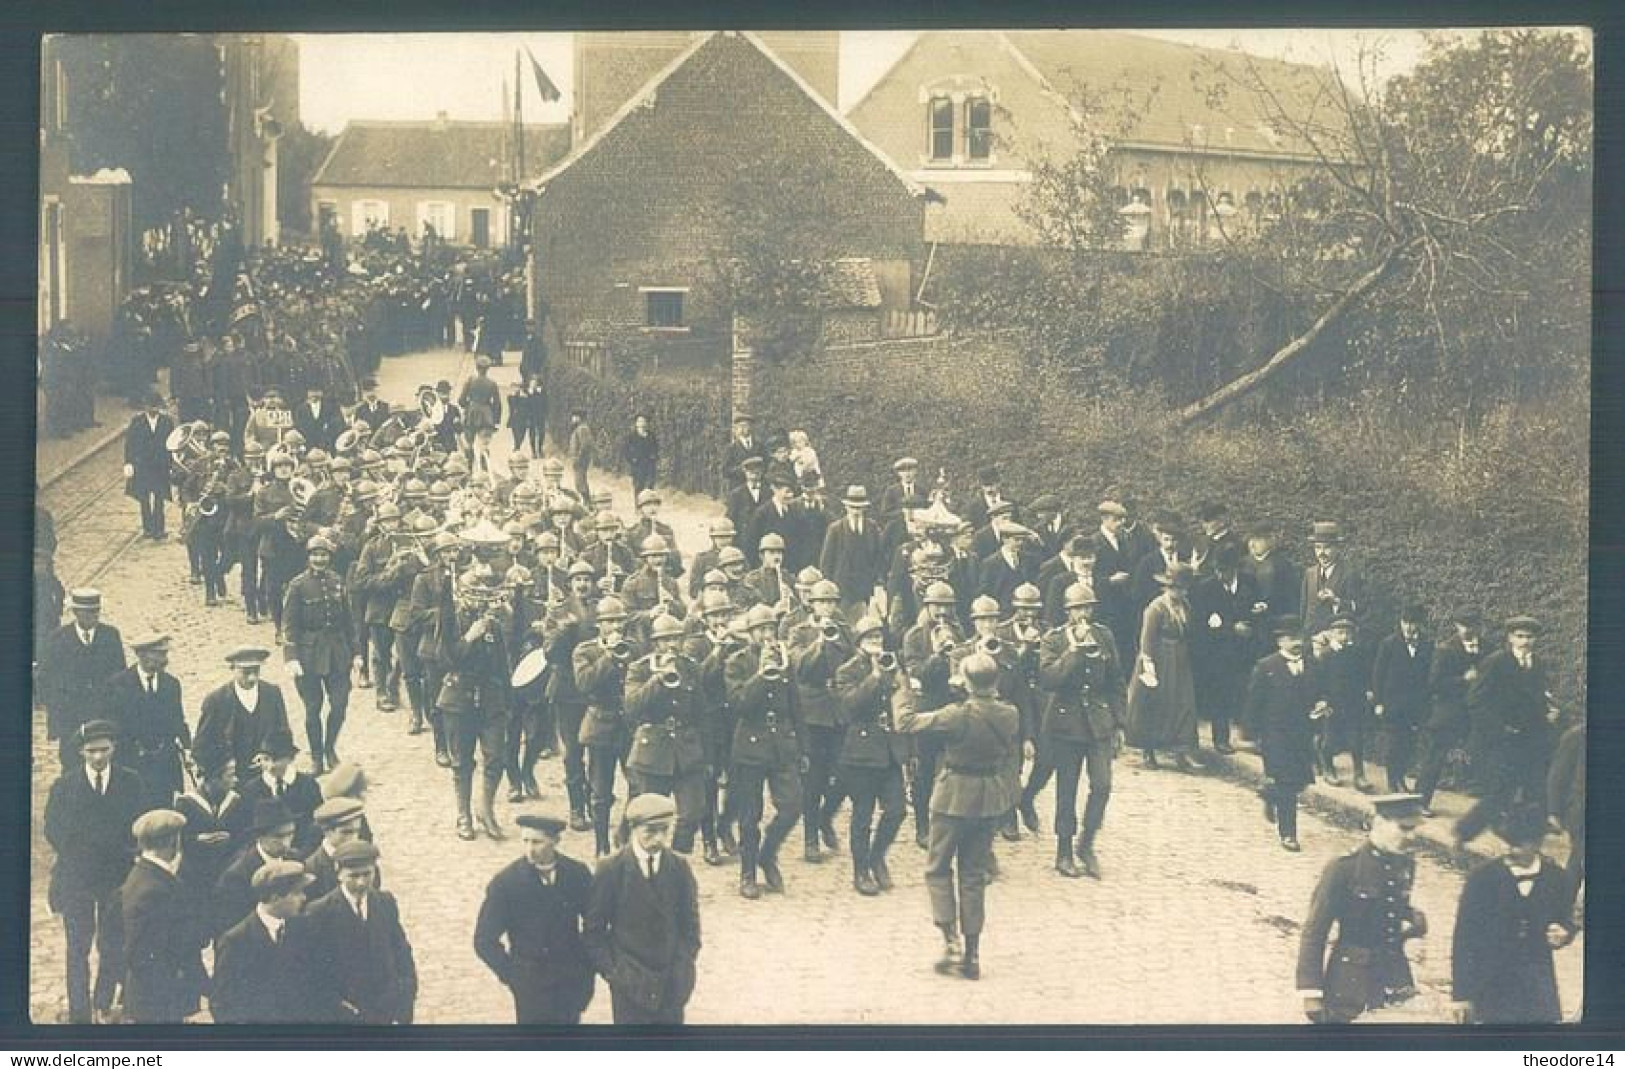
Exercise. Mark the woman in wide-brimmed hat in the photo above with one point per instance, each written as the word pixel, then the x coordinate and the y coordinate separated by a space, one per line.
pixel 1162 694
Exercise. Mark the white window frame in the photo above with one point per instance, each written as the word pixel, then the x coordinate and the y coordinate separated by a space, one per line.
pixel 643 295
pixel 362 211
pixel 448 211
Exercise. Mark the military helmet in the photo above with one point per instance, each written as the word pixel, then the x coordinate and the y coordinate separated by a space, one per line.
pixel 666 626
pixel 611 608
pixel 940 593
pixel 760 616
pixel 1027 597
pixel 824 590
pixel 984 607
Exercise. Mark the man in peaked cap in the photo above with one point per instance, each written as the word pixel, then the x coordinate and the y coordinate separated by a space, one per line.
pixel 74 664
pixel 319 633
pixel 529 928
pixel 164 928
pixel 144 701
pixel 341 821
pixel 907 486
pixel 88 818
pixel 1513 715
pixel 361 966
pixel 746 492
pixel 642 926
pixel 262 969
pixel 239 718
pixel 1367 894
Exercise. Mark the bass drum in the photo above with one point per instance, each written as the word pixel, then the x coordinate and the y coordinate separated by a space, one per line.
pixel 531 667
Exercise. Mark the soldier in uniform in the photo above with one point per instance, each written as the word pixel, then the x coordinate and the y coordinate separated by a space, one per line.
pixel 267 500
pixel 925 657
pixel 144 703
pixel 819 648
pixel 164 928
pixel 407 619
pixel 722 535
pixel 77 661
pixel 1019 638
pixel 1082 728
pixel 1367 894
pixel 650 525
pixel 529 928
pixel 666 713
pixel 600 665
pixel 565 628
pixel 88 818
pixel 767 750
pixel 473 698
pixel 239 718
pixel 376 587
pixel 871 758
pixel 432 610
pixel 710 647
pixel 650 592
pixel 360 962
pixel 318 632
pixel 978 785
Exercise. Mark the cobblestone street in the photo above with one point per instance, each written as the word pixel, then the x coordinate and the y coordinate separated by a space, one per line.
pixel 1196 920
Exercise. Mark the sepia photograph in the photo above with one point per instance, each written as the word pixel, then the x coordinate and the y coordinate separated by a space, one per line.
pixel 674 527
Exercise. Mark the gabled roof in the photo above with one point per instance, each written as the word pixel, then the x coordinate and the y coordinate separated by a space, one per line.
pixel 437 154
pixel 651 89
pixel 1179 95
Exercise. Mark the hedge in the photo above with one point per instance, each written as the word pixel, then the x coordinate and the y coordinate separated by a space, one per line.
pixel 1501 528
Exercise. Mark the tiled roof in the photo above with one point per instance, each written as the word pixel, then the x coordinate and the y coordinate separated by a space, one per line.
pixel 1183 94
pixel 437 155
pixel 851 283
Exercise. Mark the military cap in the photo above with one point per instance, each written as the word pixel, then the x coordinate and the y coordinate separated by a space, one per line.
pixel 336 811
pixel 611 608
pixel 219 438
pixel 552 466
pixel 1080 595
pixel 443 541
pixel 856 497
pixel 1523 623
pixel 1326 533
pixel 439 489
pixel 648 497
pixel 97 729
pixel 316 457
pixel 563 506
pixel 549 540
pixel 653 546
pixel 808 576
pixel 825 590
pixel 1404 808
pixel 389 511
pixel 1288 625
pixel 549 825
pixel 423 524
pixel 760 616
pixel 276 878
pixel 155 826
pixel 85 597
pixel 650 809
pixel 981 672
pixel 253 448
pixel 730 555
pixel 666 626
pixel 714 577
pixel 340 464
pixel 984 606
pixel 905 464
pixel 366 490
pixel 248 655
pixel 868 625
pixel 414 488
pixel 1112 508
pixel 1343 621
pixel 455 464
pixel 772 540
pixel 356 854
pixel 940 593
pixel 319 544
pixel 293 437
pixel 714 601
pixel 723 526
pixel 605 521
pixel 269 815
pixel 513 529
pixel 1027 596
pixel 581 567
pixel 371 458
pixel 154 643
pixel 283 460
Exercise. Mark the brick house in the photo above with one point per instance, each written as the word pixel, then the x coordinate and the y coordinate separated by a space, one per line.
pixel 968 111
pixel 628 229
pixel 444 173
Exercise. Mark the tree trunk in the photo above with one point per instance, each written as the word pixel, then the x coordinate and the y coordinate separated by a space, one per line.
pixel 1295 348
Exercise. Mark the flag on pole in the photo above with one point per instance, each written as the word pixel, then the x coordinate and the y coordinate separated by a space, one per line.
pixel 544 85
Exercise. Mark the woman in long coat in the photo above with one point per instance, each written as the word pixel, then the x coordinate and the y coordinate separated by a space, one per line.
pixel 1162 695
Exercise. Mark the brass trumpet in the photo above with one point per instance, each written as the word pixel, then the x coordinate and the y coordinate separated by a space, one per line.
pixel 665 669
pixel 990 646
pixel 829 631
pixel 887 661
pixel 774 662
pixel 621 649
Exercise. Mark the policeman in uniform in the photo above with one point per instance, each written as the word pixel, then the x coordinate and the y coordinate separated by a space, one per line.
pixel 664 707
pixel 317 630
pixel 977 786
pixel 1367 894
pixel 1083 727
pixel 600 674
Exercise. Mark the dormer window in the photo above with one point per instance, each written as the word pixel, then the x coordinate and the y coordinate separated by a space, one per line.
pixel 959 126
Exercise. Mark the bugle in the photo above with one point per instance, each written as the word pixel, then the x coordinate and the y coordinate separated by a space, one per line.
pixel 774 662
pixel 887 661
pixel 829 631
pixel 990 646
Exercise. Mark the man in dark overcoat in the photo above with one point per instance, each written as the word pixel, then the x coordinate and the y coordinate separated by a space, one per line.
pixel 1285 697
pixel 529 928
pixel 144 703
pixel 74 667
pixel 642 927
pixel 146 462
pixel 853 558
pixel 1513 713
pixel 164 927
pixel 262 964
pixel 361 967
pixel 239 718
pixel 273 831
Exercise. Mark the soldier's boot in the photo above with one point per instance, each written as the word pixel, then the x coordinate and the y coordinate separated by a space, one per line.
pixel 971 967
pixel 335 724
pixel 463 781
pixel 953 951
pixel 1010 831
pixel 318 752
pixel 414 698
pixel 812 854
pixel 1064 864
pixel 600 828
pixel 485 817
pixel 442 747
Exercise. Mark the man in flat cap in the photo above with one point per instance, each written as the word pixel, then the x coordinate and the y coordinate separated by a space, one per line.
pixel 318 633
pixel 361 967
pixel 1513 716
pixel 642 927
pixel 144 703
pixel 273 829
pixel 239 718
pixel 529 928
pixel 341 821
pixel 743 447
pixel 1113 575
pixel 146 462
pixel 977 787
pixel 746 491
pixel 262 971
pixel 88 819
pixel 74 666
pixel 1453 671
pixel 1366 893
pixel 1007 568
pixel 164 927
pixel 907 486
